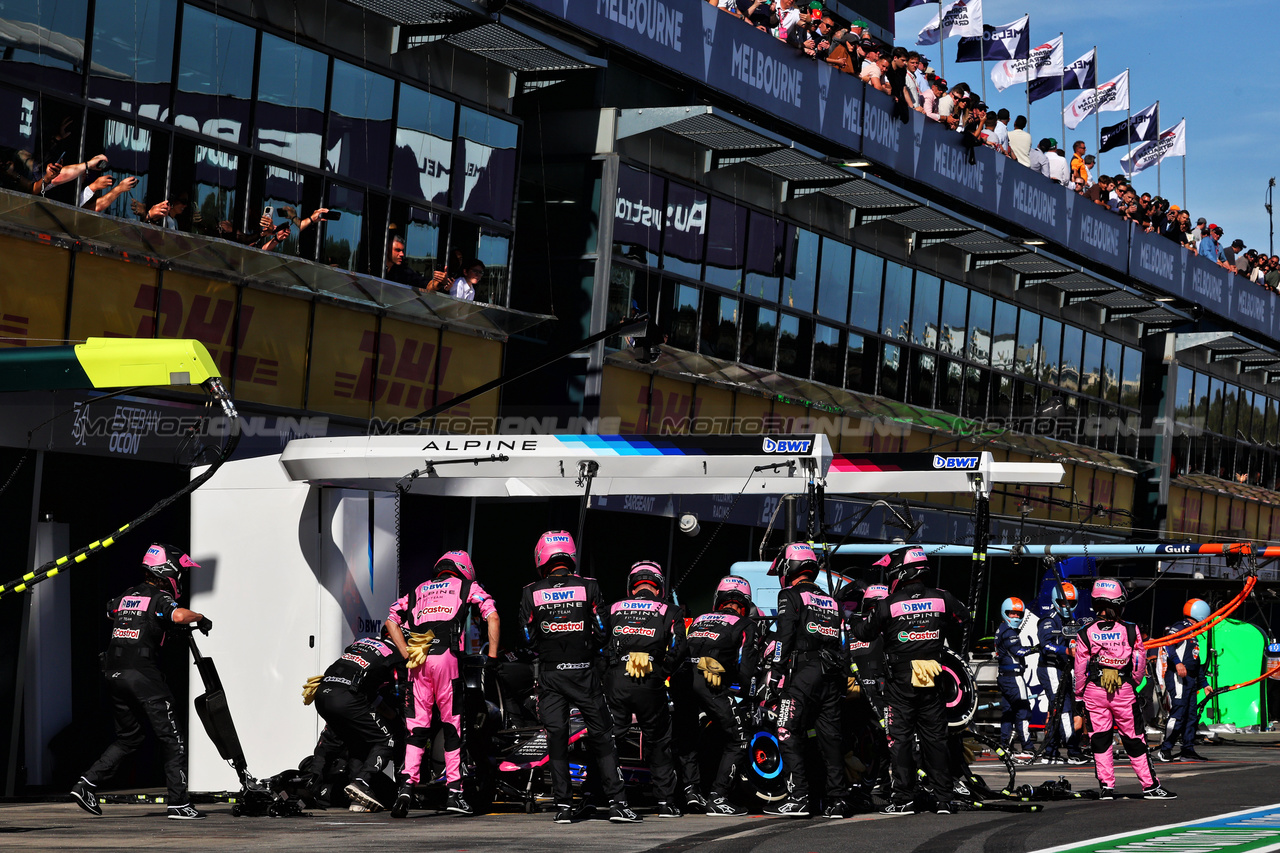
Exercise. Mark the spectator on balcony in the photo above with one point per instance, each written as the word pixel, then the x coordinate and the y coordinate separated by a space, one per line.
pixel 788 19
pixel 1178 228
pixel 397 270
pixel 896 75
pixel 464 287
pixel 921 71
pixel 760 14
pixel 1038 158
pixel 1273 273
pixel 973 137
pixel 1059 169
pixel 1077 162
pixel 1098 192
pixel 913 81
pixel 947 104
pixel 1198 233
pixel 1002 131
pixel 931 99
pixel 1210 248
pixel 1020 141
pixel 1231 254
pixel 103 183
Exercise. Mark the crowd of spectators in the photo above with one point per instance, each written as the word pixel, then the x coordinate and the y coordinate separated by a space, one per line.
pixel 99 191
pixel 906 76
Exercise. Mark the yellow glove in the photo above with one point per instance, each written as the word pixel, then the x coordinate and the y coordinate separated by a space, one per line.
pixel 1110 680
pixel 923 672
pixel 309 689
pixel 418 644
pixel 711 670
pixel 852 687
pixel 639 664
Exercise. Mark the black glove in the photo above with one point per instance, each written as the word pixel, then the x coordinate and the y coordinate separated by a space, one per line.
pixel 204 625
pixel 490 663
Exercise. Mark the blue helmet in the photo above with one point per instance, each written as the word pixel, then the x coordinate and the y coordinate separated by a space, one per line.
pixel 1196 609
pixel 1013 611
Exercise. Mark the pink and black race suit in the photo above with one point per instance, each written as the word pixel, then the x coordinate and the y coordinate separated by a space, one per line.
pixel 442 606
pixel 365 666
pixel 139 620
pixel 1107 644
pixel 728 639
pixel 647 625
pixel 809 621
pixel 563 618
pixel 915 621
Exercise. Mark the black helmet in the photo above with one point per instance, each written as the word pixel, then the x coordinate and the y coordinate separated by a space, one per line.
pixel 905 564
pixel 646 571
pixel 849 595
pixel 165 563
pixel 795 560
pixel 732 590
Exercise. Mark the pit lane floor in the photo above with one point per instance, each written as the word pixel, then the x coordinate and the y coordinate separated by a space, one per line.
pixel 1234 778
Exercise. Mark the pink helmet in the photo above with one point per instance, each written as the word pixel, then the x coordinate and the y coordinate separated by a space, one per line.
pixel 732 589
pixel 796 559
pixel 875 592
pixel 1108 593
pixel 646 571
pixel 458 562
pixel 555 548
pixel 165 562
pixel 905 564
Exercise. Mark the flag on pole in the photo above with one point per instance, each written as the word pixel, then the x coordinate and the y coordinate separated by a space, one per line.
pixel 1170 143
pixel 1044 61
pixel 1012 41
pixel 1081 74
pixel 1111 95
pixel 960 18
pixel 903 5
pixel 1140 127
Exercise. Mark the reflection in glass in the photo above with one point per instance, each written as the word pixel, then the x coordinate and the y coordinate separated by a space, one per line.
pixel 290 118
pixel 953 329
pixel 1230 411
pixel 895 311
pixel 637 215
pixel 800 268
pixel 833 280
pixel 1091 365
pixel 924 372
pixel 951 387
pixel 1072 345
pixel 680 315
pixel 215 76
pixel 764 256
pixel 133 56
pixel 213 195
pixel 1027 357
pixel 980 308
pixel 828 355
pixel 685 231
pixel 282 190
pixel 868 280
pixel 1112 370
pixel 1184 399
pixel 891 370
pixel 726 237
pixel 493 251
pixel 1051 346
pixel 44 42
pixel 1004 333
pixel 359 123
pixel 855 378
pixel 975 393
pixel 484 165
pixel 759 335
pixel 422 244
pixel 719 326
pixel 924 310
pixel 1257 430
pixel 795 345
pixel 424 146
pixel 623 284
pixel 341 246
pixel 1002 399
pixel 1214 423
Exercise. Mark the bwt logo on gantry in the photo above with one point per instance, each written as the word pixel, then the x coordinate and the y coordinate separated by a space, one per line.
pixel 787 445
pixel 955 463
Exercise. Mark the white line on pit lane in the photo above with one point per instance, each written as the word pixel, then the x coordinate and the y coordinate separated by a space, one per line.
pixel 1097 842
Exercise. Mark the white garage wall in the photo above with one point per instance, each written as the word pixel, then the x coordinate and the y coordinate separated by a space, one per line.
pixel 290 575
